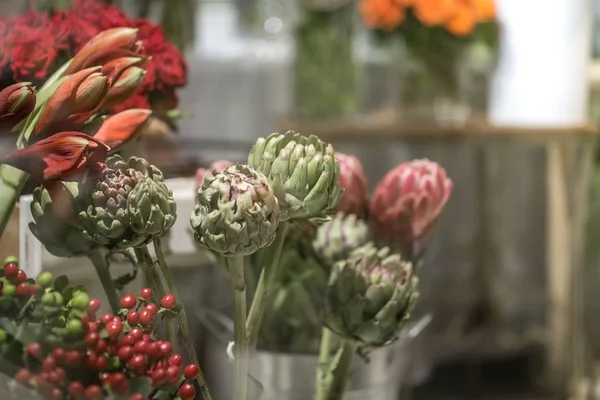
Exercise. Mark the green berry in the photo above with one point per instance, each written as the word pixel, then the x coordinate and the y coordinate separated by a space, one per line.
pixel 10 259
pixel 9 290
pixel 2 336
pixel 81 301
pixel 48 299
pixel 74 326
pixel 58 298
pixel 45 279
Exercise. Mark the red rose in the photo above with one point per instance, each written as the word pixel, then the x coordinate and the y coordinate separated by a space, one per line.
pixel 61 30
pixel 151 35
pixel 33 52
pixel 100 15
pixel 81 31
pixel 138 100
pixel 171 69
pixel 6 27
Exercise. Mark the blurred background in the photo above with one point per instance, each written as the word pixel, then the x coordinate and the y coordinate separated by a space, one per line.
pixel 505 96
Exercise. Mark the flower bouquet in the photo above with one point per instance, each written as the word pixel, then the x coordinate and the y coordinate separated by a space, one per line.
pixel 445 40
pixel 88 202
pixel 333 286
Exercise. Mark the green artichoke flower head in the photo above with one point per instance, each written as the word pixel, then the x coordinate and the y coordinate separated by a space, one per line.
pixel 128 205
pixel 337 239
pixel 303 172
pixel 236 212
pixel 59 236
pixel 370 296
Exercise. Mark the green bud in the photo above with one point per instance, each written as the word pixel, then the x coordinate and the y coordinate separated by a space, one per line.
pixel 74 326
pixel 80 301
pixel 58 298
pixel 11 259
pixel 48 299
pixel 2 336
pixel 45 279
pixel 9 290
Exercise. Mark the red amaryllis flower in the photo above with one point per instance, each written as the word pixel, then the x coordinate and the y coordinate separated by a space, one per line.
pixel 65 156
pixel 138 100
pixel 407 202
pixel 120 128
pixel 99 14
pixel 33 52
pixel 218 166
pixel 81 31
pixel 354 182
pixel 16 103
pixel 151 35
pixel 171 69
pixel 73 102
pixel 124 87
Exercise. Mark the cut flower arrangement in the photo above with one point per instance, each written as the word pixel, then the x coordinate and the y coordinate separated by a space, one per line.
pixel 336 285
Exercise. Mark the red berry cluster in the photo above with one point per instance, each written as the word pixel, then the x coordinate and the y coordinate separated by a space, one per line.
pixel 14 282
pixel 119 353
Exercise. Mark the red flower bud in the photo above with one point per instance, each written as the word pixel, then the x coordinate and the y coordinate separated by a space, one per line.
pixel 74 101
pixel 407 202
pixel 66 156
pixel 16 103
pixel 354 182
pixel 105 46
pixel 124 87
pixel 120 128
pixel 218 166
pixel 114 68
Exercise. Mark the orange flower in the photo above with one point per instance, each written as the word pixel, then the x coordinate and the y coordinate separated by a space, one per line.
pixel 382 14
pixel 434 12
pixel 485 10
pixel 463 22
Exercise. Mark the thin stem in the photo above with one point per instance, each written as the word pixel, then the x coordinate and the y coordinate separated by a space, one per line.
pixel 12 181
pixel 236 269
pixel 99 260
pixel 334 383
pixel 264 287
pixel 186 336
pixel 152 279
pixel 324 351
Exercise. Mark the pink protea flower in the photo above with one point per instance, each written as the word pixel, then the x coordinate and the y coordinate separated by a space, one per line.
pixel 218 166
pixel 407 202
pixel 354 182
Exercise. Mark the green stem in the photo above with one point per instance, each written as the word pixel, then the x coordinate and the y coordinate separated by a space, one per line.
pixel 186 335
pixel 324 350
pixel 99 260
pixel 152 279
pixel 236 269
pixel 334 383
pixel 12 181
pixel 264 287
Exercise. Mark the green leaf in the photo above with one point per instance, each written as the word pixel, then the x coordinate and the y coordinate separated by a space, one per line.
pixel 61 283
pixel 141 385
pixel 113 363
pixel 26 333
pixel 8 326
pixel 6 304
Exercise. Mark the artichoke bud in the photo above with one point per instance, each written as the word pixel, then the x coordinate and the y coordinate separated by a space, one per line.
pixel 128 204
pixel 60 237
pixel 337 239
pixel 236 212
pixel 303 173
pixel 370 296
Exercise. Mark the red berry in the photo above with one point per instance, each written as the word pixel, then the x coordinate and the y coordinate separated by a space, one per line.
pixel 168 301
pixel 93 392
pixel 21 276
pixel 91 360
pixel 55 394
pixel 187 391
pixel 101 347
pixel 23 290
pixel 94 306
pixel 22 377
pixel 106 318
pixel 59 355
pixel 114 329
pixel 75 390
pixel 153 350
pixel 101 363
pixel 112 350
pixel 146 293
pixel 190 371
pixel 48 364
pixel 11 270
pixel 137 396
pixel 34 350
pixel 136 333
pixel 175 360
pixel 159 376
pixel 125 353
pixel 146 338
pixel 138 361
pixel 146 318
pixel 85 320
pixel 128 340
pixel 133 318
pixel 58 376
pixel 172 373
pixel 128 301
pixel 165 349
pixel 93 326
pixel 140 347
pixel 92 339
pixel 152 308
pixel 74 358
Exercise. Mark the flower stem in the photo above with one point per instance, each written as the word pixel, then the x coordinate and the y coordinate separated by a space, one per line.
pixel 186 336
pixel 12 181
pixel 324 350
pixel 152 279
pixel 236 269
pixel 334 382
pixel 98 258
pixel 264 287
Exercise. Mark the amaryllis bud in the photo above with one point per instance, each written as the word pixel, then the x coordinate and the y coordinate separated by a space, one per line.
pixel 66 156
pixel 114 68
pixel 16 103
pixel 105 46
pixel 124 87
pixel 354 182
pixel 73 102
pixel 407 202
pixel 217 166
pixel 120 128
